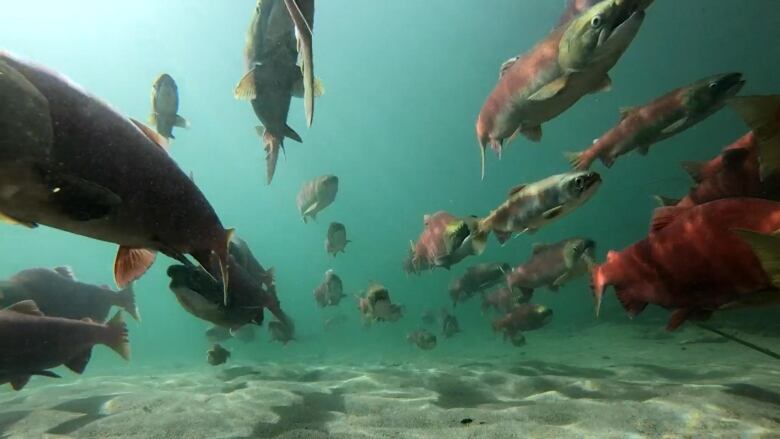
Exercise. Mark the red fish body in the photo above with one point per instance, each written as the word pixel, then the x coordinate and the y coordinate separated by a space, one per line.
pixel 443 242
pixel 552 265
pixel 502 300
pixel 694 262
pixel 476 279
pixel 524 317
pixel 641 127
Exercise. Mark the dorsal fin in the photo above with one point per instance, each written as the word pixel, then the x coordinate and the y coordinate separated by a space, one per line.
pixel 694 170
pixel 626 111
pixel 538 248
pixel 663 216
pixel 517 189
pixel 152 135
pixel 26 307
pixel 506 65
pixel 65 272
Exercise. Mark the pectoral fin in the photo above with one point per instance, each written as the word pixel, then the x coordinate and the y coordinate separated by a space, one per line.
pixel 26 307
pixel 79 363
pixel 151 134
pixel 16 222
pixel 562 279
pixel 552 213
pixel 181 122
pixel 131 263
pixel 675 126
pixel 550 89
pixel 79 199
pixel 245 90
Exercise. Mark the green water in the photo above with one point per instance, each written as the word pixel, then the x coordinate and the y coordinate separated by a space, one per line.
pixel 404 83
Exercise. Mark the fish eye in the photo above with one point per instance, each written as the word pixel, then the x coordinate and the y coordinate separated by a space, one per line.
pixel 579 183
pixel 596 21
pixel 713 84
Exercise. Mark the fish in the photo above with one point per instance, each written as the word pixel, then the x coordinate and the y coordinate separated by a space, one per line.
pixel 576 7
pixel 530 207
pixel 524 317
pixel 283 332
pixel 449 324
pixel 553 265
pixel 572 61
pixel 696 261
pixel 375 305
pixel 337 239
pixel 165 107
pixel 503 300
pixel 251 289
pixel 641 127
pixel 428 317
pixel 422 339
pixel 477 278
pixel 96 173
pixel 58 293
pixel 330 291
pixel 272 76
pixel 746 168
pixel 444 241
pixel 217 355
pixel 315 195
pixel 333 322
pixel 33 343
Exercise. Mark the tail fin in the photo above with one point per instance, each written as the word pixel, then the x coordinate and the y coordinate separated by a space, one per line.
pixel 125 299
pixel 767 250
pixel 577 160
pixel 117 336
pixel 272 146
pixel 762 114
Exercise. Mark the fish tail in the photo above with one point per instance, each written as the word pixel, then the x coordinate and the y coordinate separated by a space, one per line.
pixel 766 247
pixel 117 336
pixel 578 160
pixel 762 114
pixel 126 300
pixel 272 146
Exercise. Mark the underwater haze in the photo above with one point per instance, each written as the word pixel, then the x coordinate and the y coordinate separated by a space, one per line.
pixel 404 84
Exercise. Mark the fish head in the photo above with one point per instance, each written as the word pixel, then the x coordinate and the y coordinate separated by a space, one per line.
pixel 543 315
pixel 192 279
pixel 601 34
pixel 710 94
pixel 164 81
pixel 328 186
pixel 578 187
pixel 579 249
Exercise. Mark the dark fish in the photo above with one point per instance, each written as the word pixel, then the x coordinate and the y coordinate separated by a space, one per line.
pixel 422 339
pixel 337 239
pixel 524 317
pixel 330 291
pixel 502 300
pixel 273 76
pixel 449 324
pixel 553 265
pixel 57 293
pixel 217 355
pixel 337 320
pixel 251 289
pixel 282 331
pixel 96 173
pixel 32 343
pixel 217 334
pixel 165 106
pixel 477 278
pixel 375 305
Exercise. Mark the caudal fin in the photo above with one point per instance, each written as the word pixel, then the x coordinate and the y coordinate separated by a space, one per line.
pixel 273 144
pixel 117 336
pixel 767 250
pixel 598 284
pixel 577 160
pixel 125 299
pixel 762 114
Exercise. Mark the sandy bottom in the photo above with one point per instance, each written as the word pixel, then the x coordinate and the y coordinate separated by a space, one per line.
pixel 600 382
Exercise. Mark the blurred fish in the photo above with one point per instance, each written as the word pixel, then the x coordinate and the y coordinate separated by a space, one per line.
pixel 476 279
pixel 375 305
pixel 553 265
pixel 33 343
pixel 641 127
pixel 330 291
pixel 165 107
pixel 57 293
pixel 698 260
pixel 337 320
pixel 422 339
pixel 524 317
pixel 444 241
pixel 283 332
pixel 217 334
pixel 747 167
pixel 217 355
pixel 449 324
pixel 428 317
pixel 273 77
pixel 337 239
pixel 96 173
pixel 533 206
pixel 575 8
pixel 572 61
pixel 503 300
pixel 316 195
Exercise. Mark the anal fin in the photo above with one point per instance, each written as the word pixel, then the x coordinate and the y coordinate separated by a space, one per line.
pixel 79 363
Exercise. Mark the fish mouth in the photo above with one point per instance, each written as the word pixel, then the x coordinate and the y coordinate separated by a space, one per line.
pixel 726 86
pixel 624 28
